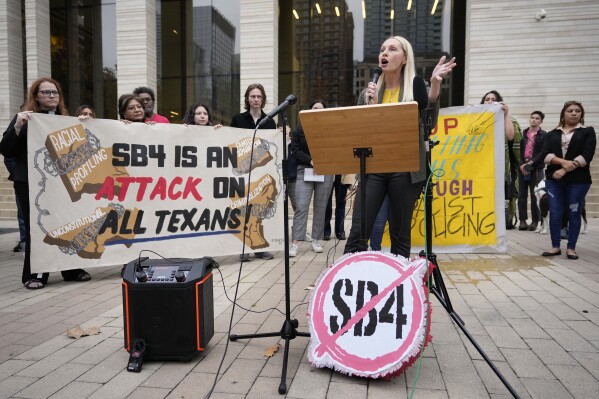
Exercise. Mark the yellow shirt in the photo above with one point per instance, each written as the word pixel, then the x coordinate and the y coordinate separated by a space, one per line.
pixel 391 96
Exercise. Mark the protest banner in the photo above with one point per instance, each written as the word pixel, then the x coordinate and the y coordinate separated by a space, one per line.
pixel 468 194
pixel 102 192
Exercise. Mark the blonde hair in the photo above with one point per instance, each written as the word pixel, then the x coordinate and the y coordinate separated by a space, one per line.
pixel 408 71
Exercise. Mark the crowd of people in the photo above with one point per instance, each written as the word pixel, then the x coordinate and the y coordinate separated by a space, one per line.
pixel 561 157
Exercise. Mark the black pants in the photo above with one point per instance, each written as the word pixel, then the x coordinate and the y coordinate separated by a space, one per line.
pixel 402 200
pixel 526 187
pixel 340 191
pixel 22 191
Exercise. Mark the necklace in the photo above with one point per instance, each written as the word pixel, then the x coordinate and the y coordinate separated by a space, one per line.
pixel 391 95
pixel 394 92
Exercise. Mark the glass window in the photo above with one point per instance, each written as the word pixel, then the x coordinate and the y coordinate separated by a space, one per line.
pixel 83 53
pixel 198 57
pixel 343 40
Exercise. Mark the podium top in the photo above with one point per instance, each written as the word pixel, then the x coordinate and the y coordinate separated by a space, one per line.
pixel 390 130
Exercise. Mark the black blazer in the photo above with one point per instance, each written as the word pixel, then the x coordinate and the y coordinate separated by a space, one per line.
pixel 13 146
pixel 583 143
pixel 299 147
pixel 245 121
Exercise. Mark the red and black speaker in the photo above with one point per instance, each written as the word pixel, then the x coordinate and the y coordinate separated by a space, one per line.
pixel 169 304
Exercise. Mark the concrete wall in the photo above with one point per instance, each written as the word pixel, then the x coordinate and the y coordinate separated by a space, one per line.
pixel 11 60
pixel 37 26
pixel 136 45
pixel 259 47
pixel 534 64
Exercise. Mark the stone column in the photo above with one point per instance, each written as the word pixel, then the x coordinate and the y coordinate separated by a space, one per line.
pixel 135 45
pixel 259 48
pixel 37 27
pixel 12 85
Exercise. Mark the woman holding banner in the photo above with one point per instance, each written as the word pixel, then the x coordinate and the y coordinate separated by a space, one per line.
pixel 568 151
pixel 45 96
pixel 513 136
pixel 84 112
pixel 131 109
pixel 254 102
pixel 199 114
pixel 396 60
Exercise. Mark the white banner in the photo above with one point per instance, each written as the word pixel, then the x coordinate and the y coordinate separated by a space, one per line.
pixel 102 191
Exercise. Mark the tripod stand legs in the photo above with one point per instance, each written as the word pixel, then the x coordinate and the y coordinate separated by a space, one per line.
pixel 288 332
pixel 440 291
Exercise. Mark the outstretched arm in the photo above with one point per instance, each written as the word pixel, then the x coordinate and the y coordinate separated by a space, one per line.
pixel 442 69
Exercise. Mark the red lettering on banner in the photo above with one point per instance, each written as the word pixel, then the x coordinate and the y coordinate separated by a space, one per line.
pixel 162 188
pixel 125 181
pixel 143 184
pixel 159 189
pixel 107 189
pixel 449 123
pixel 171 188
pixel 190 187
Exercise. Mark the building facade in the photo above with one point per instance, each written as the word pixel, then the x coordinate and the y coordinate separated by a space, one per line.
pixel 210 51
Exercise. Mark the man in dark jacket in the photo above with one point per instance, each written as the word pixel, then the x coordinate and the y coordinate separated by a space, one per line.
pixel 254 102
pixel 531 170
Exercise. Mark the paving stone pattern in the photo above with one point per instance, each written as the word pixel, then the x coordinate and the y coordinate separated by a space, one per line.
pixel 536 318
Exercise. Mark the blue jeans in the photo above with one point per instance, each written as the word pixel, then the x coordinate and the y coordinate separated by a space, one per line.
pixel 21 220
pixel 565 197
pixel 376 237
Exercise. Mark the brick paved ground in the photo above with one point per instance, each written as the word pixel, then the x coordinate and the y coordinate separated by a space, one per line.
pixel 537 319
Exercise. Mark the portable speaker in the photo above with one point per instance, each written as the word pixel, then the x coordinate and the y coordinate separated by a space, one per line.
pixel 169 304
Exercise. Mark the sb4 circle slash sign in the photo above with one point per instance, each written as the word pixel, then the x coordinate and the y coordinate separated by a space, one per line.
pixel 368 314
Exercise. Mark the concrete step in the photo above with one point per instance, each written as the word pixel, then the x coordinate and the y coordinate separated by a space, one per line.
pixel 8 213
pixel 592 208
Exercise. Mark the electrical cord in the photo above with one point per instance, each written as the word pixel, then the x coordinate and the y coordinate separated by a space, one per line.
pixel 217 266
pixel 234 302
pixel 241 307
pixel 437 173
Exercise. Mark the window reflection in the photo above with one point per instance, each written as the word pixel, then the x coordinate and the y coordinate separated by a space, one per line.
pixel 83 53
pixel 198 57
pixel 330 54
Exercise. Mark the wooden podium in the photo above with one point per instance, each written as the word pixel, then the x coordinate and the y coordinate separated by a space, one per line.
pixel 341 139
pixel 389 130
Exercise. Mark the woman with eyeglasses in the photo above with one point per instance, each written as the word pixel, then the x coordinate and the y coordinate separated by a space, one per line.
pixel 131 109
pixel 568 151
pixel 45 96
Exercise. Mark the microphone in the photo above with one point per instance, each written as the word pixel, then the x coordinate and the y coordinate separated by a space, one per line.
pixel 291 99
pixel 376 73
pixel 420 93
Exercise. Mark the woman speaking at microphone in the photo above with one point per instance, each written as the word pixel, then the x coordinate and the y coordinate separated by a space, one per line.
pixel 396 60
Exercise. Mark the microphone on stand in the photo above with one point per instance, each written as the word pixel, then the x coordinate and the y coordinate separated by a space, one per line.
pixel 376 73
pixel 291 99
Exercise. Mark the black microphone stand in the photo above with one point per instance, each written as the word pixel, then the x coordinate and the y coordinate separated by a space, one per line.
pixel 436 283
pixel 289 329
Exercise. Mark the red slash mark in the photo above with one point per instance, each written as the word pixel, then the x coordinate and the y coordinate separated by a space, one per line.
pixel 328 341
